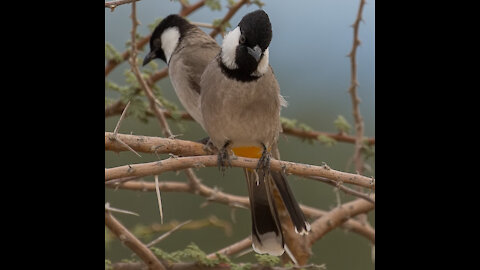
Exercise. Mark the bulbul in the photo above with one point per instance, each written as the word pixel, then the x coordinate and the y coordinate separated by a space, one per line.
pixel 187 50
pixel 240 105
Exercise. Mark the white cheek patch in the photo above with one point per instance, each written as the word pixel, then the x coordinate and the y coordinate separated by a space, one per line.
pixel 263 65
pixel 229 48
pixel 170 39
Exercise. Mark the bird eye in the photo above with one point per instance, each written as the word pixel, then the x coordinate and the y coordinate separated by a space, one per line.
pixel 242 39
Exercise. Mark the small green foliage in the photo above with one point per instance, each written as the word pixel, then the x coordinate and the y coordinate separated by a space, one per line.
pixel 213 4
pixel 194 252
pixel 170 257
pixel 108 265
pixel 218 23
pixel 288 123
pixel 327 141
pixel 154 24
pixel 222 258
pixel 368 150
pixel 241 266
pixel 191 253
pixel 231 3
pixel 342 124
pixel 259 3
pixel 108 238
pixel 128 43
pixel 111 53
pixel 267 260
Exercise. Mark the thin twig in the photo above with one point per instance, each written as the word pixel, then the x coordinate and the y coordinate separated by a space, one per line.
pixel 138 75
pixel 233 248
pixel 233 9
pixel 165 235
pixel 205 25
pixel 359 125
pixel 114 136
pixel 117 127
pixel 159 198
pixel 113 4
pixel 117 210
pixel 343 188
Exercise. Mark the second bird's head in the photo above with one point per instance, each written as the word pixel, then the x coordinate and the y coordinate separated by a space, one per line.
pixel 245 48
pixel 166 36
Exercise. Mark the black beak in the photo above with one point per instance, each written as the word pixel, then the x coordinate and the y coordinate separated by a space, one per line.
pixel 256 52
pixel 150 56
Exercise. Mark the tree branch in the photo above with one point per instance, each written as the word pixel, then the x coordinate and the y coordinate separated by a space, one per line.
pixel 180 163
pixel 113 4
pixel 230 200
pixel 132 242
pixel 228 16
pixel 359 125
pixel 336 217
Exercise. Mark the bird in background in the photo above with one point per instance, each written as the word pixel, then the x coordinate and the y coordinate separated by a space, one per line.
pixel 187 50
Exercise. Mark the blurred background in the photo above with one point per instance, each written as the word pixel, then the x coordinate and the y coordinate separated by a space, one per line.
pixel 311 41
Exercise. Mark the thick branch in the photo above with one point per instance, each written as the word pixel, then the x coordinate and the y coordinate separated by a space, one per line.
pixel 181 163
pixel 132 242
pixel 230 200
pixel 155 145
pixel 337 217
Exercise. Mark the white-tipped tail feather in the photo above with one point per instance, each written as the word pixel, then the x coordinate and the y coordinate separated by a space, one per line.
pixel 271 244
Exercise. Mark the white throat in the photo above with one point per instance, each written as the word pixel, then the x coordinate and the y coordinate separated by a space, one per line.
pixel 263 65
pixel 170 38
pixel 229 48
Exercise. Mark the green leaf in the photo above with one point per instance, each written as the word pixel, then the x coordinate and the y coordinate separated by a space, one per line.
pixel 327 141
pixel 289 123
pixel 259 3
pixel 108 265
pixel 267 260
pixel 342 124
pixel 111 53
pixel 154 24
pixel 213 4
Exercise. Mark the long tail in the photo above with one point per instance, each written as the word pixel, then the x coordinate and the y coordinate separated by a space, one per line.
pixel 296 214
pixel 267 236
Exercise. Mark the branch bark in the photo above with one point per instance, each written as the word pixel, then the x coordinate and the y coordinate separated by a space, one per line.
pixel 231 200
pixel 181 163
pixel 132 242
pixel 336 217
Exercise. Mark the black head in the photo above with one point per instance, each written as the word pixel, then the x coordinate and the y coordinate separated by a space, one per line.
pixel 170 21
pixel 254 34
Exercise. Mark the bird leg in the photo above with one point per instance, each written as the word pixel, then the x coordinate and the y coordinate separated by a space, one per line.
pixel 263 165
pixel 224 158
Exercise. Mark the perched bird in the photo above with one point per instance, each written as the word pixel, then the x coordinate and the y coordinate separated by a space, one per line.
pixel 240 106
pixel 187 50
